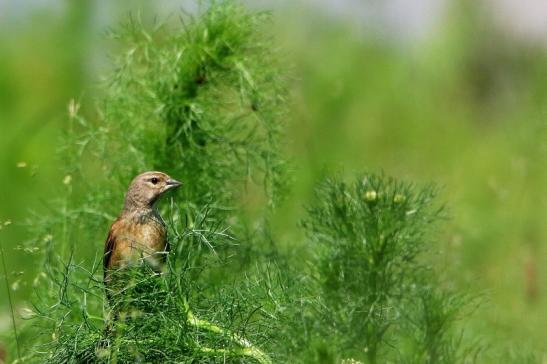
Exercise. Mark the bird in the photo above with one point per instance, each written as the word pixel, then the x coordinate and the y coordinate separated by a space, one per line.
pixel 139 234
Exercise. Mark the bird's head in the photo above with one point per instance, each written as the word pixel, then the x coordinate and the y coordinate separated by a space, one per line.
pixel 147 188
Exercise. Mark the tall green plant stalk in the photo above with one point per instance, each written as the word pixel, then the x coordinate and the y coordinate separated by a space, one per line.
pixel 10 301
pixel 366 289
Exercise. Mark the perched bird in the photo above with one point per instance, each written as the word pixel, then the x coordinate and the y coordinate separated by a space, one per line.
pixel 139 233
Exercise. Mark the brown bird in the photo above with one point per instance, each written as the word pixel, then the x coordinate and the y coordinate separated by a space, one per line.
pixel 139 233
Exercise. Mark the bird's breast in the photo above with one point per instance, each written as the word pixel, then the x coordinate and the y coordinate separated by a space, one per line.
pixel 138 240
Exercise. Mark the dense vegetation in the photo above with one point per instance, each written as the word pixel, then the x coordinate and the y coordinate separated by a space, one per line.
pixel 205 100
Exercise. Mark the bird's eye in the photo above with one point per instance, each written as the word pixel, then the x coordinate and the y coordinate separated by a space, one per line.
pixel 154 180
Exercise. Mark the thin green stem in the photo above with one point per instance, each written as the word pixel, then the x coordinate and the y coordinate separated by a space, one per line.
pixel 10 302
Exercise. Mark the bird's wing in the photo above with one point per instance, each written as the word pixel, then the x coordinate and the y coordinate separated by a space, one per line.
pixel 110 245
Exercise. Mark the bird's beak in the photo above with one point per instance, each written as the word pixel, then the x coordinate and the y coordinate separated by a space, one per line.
pixel 172 184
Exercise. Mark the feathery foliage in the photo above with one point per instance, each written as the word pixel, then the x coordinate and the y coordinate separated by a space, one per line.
pixel 368 296
pixel 203 101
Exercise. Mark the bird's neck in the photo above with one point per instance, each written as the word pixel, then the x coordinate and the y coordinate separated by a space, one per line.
pixel 142 215
pixel 133 204
pixel 140 211
pixel 135 207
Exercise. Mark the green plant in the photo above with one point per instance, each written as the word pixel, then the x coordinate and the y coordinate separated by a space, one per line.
pixel 151 317
pixel 368 235
pixel 203 102
pixel 370 284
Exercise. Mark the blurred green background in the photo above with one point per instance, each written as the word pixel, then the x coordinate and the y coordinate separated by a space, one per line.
pixel 451 92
